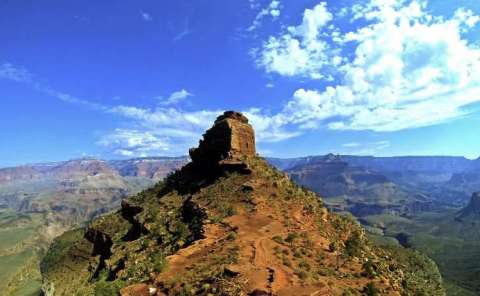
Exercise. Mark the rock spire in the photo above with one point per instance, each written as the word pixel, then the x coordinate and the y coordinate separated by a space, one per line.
pixel 472 210
pixel 229 140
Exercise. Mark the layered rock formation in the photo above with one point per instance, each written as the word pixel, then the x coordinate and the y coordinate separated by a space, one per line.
pixel 78 190
pixel 355 189
pixel 472 210
pixel 230 140
pixel 229 224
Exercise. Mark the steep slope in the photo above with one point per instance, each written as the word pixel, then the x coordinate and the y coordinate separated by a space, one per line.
pixel 229 224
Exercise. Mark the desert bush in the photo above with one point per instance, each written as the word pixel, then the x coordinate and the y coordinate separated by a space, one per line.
pixel 159 262
pixel 371 290
pixel 369 269
pixel 278 239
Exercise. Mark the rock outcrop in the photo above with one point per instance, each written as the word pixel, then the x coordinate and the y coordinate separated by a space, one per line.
pixel 472 210
pixel 229 141
pixel 208 231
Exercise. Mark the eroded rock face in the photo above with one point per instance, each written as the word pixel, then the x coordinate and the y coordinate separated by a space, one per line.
pixel 475 202
pixel 471 211
pixel 473 208
pixel 230 139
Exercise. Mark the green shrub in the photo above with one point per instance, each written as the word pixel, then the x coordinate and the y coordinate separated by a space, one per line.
pixel 291 237
pixel 369 269
pixel 371 290
pixel 231 236
pixel 159 262
pixel 304 265
pixel 353 246
pixel 277 239
pixel 227 210
pixel 286 262
pixel 333 247
pixel 106 289
pixel 301 274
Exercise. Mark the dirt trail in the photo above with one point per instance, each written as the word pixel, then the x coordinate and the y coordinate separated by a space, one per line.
pixel 261 257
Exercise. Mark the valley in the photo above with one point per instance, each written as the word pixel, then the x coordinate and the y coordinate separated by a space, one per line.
pixel 39 202
pixel 417 202
pixel 230 224
pixel 413 202
pixel 22 244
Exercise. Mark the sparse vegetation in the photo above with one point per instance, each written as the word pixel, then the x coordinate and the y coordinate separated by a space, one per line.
pixel 371 290
pixel 170 221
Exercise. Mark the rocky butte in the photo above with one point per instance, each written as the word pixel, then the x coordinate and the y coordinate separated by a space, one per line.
pixel 227 223
pixel 231 137
pixel 472 210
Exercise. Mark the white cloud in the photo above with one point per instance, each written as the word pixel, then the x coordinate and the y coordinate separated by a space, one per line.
pixel 404 69
pixel 135 143
pixel 171 131
pixel 146 16
pixel 18 74
pixel 253 4
pixel 272 10
pixel 467 17
pixel 350 145
pixel 175 97
pixel 409 69
pixel 22 75
pixel 300 50
pixel 184 33
pixel 369 148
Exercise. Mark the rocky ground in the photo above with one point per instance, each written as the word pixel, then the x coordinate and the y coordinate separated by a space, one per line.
pixel 229 224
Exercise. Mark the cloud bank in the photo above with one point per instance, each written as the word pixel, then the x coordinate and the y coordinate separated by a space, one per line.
pixel 407 69
pixel 397 67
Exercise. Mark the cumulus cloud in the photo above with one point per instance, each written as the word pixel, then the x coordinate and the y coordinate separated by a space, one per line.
pixel 301 50
pixel 351 144
pixel 18 74
pixel 171 131
pixel 163 130
pixel 408 69
pixel 272 10
pixel 176 97
pixel 160 131
pixel 135 143
pixel 399 67
pixel 146 16
pixel 368 148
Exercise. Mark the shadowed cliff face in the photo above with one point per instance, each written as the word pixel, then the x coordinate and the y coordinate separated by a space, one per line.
pixel 472 210
pixel 230 139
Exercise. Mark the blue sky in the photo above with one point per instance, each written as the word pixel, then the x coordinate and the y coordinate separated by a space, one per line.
pixel 117 79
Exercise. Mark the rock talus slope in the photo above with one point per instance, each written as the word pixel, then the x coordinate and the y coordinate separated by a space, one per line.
pixel 227 223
